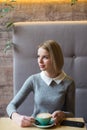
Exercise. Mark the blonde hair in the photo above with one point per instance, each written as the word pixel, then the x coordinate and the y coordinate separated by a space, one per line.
pixel 55 52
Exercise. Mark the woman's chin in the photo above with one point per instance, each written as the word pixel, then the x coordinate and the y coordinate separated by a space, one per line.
pixel 42 69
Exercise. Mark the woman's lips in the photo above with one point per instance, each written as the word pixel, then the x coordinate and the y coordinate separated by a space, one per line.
pixel 41 66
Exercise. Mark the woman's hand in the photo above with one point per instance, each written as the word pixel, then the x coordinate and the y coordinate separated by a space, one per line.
pixel 22 120
pixel 58 116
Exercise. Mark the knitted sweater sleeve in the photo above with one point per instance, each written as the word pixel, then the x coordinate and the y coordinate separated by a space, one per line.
pixel 70 100
pixel 20 97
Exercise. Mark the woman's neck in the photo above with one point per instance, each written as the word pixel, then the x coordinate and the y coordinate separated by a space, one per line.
pixel 52 74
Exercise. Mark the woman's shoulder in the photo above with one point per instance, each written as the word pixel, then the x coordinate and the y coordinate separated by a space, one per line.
pixel 68 82
pixel 69 79
pixel 37 75
pixel 34 77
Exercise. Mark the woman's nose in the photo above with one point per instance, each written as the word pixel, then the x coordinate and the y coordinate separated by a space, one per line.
pixel 40 60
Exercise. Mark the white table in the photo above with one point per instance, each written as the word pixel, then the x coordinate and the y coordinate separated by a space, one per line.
pixel 8 124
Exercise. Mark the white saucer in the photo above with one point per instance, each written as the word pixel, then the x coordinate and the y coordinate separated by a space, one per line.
pixel 44 126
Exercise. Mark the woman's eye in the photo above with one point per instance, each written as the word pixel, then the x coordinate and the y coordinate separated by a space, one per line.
pixel 38 56
pixel 45 57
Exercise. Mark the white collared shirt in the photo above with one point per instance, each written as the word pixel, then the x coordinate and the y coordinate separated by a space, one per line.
pixel 48 80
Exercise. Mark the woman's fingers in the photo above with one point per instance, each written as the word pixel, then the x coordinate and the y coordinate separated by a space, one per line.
pixel 58 117
pixel 26 121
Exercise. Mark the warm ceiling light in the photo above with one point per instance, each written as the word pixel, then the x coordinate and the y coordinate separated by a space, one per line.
pixel 41 1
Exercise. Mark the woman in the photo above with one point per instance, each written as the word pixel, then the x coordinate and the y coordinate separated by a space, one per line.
pixel 54 91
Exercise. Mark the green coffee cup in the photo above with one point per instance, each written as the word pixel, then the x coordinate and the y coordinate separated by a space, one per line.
pixel 44 118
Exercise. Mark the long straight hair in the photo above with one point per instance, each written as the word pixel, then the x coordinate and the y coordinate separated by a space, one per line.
pixel 55 52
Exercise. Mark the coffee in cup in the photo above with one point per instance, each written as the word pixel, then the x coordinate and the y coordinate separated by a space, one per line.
pixel 44 118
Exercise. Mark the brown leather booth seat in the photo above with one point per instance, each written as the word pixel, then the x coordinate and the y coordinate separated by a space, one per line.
pixel 72 37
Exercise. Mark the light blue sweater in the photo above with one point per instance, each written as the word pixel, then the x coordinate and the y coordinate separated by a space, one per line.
pixel 46 98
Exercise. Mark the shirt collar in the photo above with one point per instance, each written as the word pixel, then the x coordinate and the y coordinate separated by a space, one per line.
pixel 48 80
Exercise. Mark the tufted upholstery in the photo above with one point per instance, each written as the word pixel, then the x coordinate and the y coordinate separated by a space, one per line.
pixel 72 37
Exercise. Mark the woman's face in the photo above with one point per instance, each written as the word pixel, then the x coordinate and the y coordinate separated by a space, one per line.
pixel 44 60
